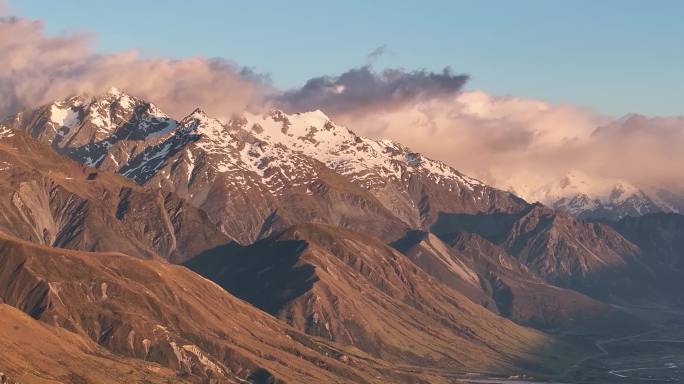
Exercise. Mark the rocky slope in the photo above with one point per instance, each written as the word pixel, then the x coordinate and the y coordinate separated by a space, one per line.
pixel 152 314
pixel 353 289
pixel 488 275
pixel 60 356
pixel 273 170
pixel 660 237
pixel 590 257
pixel 51 200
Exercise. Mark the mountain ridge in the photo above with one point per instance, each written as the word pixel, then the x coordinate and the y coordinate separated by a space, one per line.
pixel 264 154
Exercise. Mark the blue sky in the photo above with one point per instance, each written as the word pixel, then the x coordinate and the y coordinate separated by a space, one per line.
pixel 609 55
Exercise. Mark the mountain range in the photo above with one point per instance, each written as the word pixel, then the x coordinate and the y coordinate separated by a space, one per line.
pixel 285 248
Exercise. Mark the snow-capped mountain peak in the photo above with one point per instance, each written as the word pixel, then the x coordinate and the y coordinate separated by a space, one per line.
pixel 368 162
pixel 591 197
pixel 114 91
pixel 266 156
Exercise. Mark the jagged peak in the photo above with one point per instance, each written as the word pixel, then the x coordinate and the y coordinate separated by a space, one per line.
pixel 111 94
pixel 199 117
pixel 200 122
pixel 199 113
pixel 85 99
pixel 315 114
pixel 114 91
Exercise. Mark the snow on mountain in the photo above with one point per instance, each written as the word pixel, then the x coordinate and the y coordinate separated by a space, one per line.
pixel 591 197
pixel 276 152
pixel 369 163
pixel 266 157
pixel 89 128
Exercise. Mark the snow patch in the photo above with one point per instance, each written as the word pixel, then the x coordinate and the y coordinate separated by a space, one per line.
pixel 64 117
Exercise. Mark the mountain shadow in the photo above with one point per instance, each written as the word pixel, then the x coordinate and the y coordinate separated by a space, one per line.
pixel 353 289
pixel 488 275
pixel 589 257
pixel 267 274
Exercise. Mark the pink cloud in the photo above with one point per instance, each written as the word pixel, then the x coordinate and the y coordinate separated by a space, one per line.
pixel 36 68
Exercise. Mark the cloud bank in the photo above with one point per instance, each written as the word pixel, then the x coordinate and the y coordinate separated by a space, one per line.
pixel 36 68
pixel 505 141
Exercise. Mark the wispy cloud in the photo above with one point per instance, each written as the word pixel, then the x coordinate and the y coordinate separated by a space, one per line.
pixel 375 54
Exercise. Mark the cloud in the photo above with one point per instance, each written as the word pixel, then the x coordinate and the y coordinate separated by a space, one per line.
pixel 36 68
pixel 519 142
pixel 645 149
pixel 376 53
pixel 5 9
pixel 363 90
pixel 506 141
pixel 486 136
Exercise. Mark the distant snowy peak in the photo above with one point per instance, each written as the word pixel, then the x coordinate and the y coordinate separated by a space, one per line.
pixel 588 197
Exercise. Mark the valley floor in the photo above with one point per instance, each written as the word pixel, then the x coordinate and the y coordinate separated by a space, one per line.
pixel 654 356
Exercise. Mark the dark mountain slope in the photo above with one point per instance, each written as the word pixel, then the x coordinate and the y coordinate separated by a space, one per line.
pixel 587 256
pixel 489 275
pixel 660 237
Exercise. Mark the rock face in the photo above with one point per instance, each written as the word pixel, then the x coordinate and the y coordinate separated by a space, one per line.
pixel 353 289
pixel 153 314
pixel 554 244
pixel 51 200
pixel 272 171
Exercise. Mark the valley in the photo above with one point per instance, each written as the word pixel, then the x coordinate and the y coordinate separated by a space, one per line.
pixel 653 356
